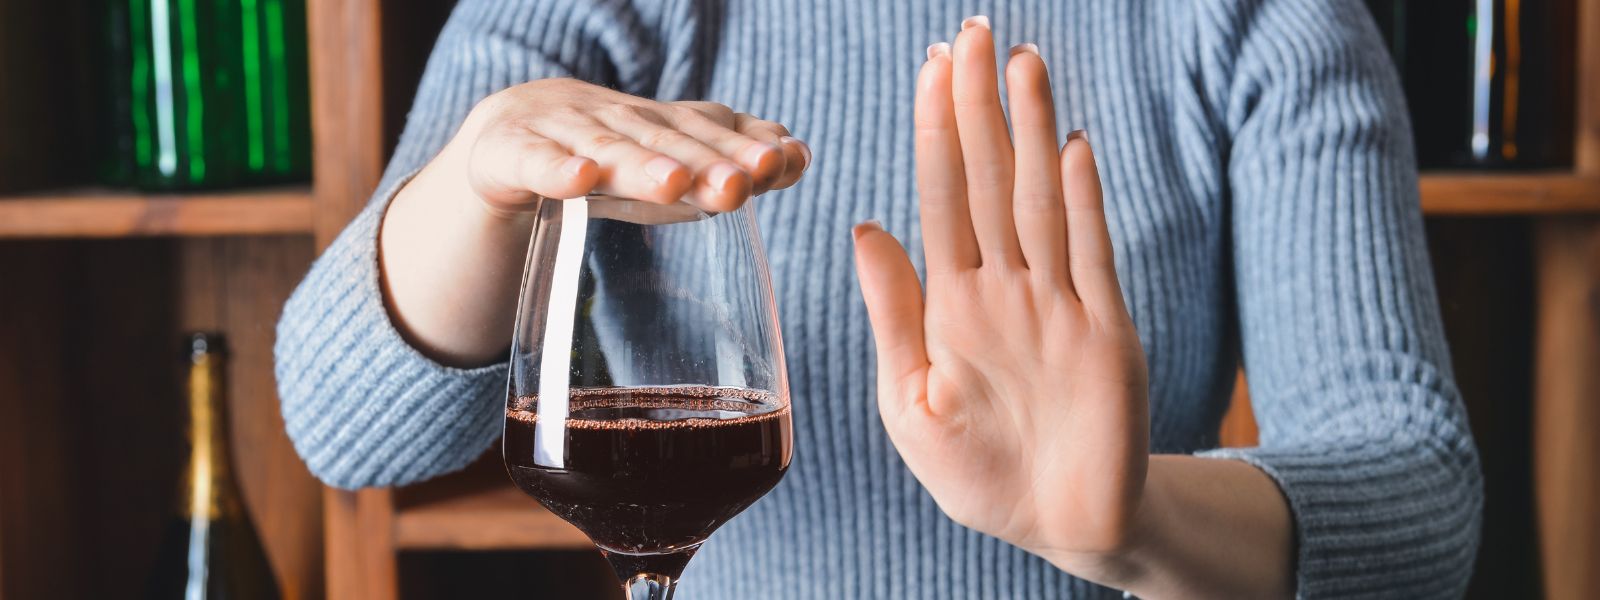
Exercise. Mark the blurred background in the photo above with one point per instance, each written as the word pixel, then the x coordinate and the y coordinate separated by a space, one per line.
pixel 175 165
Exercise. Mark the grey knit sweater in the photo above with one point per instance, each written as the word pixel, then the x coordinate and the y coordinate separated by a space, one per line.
pixel 1262 198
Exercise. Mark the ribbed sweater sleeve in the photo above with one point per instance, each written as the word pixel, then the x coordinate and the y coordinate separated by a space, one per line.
pixel 362 406
pixel 1362 426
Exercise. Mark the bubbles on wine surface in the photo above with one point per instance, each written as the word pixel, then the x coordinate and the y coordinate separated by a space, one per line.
pixel 663 407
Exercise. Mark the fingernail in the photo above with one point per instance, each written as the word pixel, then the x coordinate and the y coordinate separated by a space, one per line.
pixel 1078 134
pixel 759 152
pixel 573 166
pixel 723 176
pixel 865 227
pixel 939 49
pixel 1028 47
pixel 975 21
pixel 661 169
pixel 805 151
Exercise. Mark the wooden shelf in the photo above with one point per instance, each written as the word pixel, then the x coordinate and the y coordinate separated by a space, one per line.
pixel 92 213
pixel 478 510
pixel 1529 193
pixel 101 214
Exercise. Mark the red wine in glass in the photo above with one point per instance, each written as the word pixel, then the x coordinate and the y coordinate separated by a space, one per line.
pixel 651 472
pixel 648 401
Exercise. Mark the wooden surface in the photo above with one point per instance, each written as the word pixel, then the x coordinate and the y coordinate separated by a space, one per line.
pixel 497 518
pixel 559 575
pixel 1567 407
pixel 347 143
pixel 103 214
pixel 360 544
pixel 1239 423
pixel 90 407
pixel 1567 391
pixel 1586 150
pixel 479 509
pixel 346 108
pixel 36 531
pixel 238 286
pixel 125 393
pixel 1511 193
pixel 1483 271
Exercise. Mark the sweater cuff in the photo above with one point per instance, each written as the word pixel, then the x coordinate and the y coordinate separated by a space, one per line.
pixel 362 406
pixel 1374 519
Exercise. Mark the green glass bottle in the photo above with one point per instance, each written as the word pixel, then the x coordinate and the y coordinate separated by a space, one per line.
pixel 207 93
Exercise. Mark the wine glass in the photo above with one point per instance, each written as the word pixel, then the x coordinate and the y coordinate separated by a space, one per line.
pixel 648 401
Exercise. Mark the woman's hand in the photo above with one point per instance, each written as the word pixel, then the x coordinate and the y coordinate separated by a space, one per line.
pixel 1016 391
pixel 562 138
pixel 453 241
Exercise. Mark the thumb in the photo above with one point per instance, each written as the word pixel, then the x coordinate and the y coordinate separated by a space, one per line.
pixel 894 304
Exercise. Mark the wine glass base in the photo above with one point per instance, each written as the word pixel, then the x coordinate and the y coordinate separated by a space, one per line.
pixel 670 565
pixel 649 576
pixel 646 586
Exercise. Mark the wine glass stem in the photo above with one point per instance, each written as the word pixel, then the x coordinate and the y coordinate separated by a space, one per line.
pixel 649 586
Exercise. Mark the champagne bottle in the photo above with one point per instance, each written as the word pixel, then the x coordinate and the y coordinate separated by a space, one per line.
pixel 1489 82
pixel 207 93
pixel 211 550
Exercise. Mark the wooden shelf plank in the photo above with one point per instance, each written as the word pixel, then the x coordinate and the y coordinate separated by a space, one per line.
pixel 478 509
pixel 1535 193
pixel 100 214
pixel 494 518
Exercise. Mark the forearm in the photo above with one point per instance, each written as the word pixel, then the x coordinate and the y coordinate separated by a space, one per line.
pixel 450 266
pixel 1206 528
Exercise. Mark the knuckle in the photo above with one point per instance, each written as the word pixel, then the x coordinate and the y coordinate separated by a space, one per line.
pixel 1086 261
pixel 554 117
pixel 663 138
pixel 534 147
pixel 551 88
pixel 941 198
pixel 493 103
pixel 988 176
pixel 1036 201
pixel 602 141
pixel 752 124
pixel 931 128
pixel 701 116
pixel 703 107
pixel 968 98
pixel 623 113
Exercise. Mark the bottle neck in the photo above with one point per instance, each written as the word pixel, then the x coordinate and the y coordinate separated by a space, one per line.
pixel 209 483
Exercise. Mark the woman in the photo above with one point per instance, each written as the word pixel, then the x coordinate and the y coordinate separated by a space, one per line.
pixel 1046 415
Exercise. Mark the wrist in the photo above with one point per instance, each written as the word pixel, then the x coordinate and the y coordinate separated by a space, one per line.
pixel 1126 563
pixel 449 265
pixel 442 191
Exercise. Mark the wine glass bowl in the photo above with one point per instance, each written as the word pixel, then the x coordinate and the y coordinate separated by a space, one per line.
pixel 648 399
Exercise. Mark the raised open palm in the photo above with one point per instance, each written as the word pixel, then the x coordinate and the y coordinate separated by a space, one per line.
pixel 1016 391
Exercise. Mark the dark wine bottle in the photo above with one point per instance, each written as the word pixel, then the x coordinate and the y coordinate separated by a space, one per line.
pixel 211 550
pixel 207 93
pixel 1489 82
